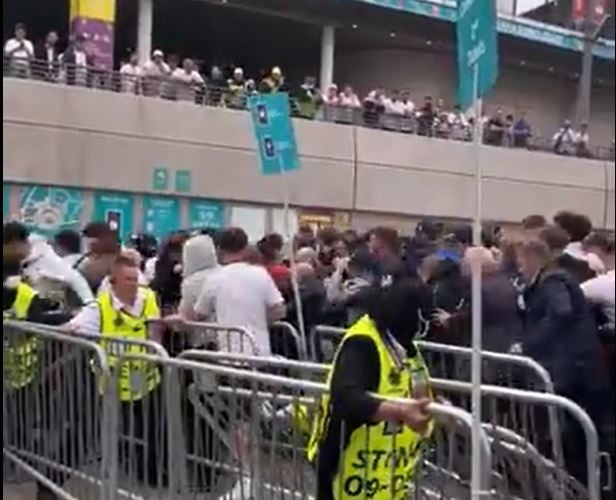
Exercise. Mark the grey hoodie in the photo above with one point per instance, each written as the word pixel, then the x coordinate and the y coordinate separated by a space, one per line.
pixel 199 261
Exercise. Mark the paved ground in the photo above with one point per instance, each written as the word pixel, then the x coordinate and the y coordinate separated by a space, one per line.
pixel 22 492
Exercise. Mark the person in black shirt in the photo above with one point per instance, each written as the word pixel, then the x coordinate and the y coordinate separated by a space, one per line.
pixel 495 131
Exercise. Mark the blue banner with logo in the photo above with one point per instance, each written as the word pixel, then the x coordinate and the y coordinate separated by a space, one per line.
pixel 271 118
pixel 48 210
pixel 117 209
pixel 161 216
pixel 204 214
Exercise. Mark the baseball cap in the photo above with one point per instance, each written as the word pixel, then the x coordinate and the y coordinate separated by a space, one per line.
pixel 158 53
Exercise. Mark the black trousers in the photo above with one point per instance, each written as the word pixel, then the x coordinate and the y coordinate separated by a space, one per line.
pixel 143 440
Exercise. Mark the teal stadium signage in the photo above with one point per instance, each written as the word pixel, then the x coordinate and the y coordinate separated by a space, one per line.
pixel 446 10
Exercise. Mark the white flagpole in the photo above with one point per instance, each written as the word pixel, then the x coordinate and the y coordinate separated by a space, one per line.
pixel 291 254
pixel 477 483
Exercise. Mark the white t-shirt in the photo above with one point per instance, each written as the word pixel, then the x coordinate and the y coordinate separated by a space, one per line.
pixel 130 77
pixel 602 291
pixel 20 54
pixel 240 295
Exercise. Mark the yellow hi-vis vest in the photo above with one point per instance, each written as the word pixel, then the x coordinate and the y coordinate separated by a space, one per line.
pixel 380 459
pixel 137 378
pixel 20 353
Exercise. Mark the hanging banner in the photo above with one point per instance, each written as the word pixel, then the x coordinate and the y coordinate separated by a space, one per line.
pixel 94 20
pixel 48 210
pixel 117 210
pixel 204 214
pixel 161 216
pixel 578 12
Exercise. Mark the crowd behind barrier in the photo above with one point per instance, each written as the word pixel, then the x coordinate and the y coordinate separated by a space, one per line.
pixel 380 109
pixel 191 433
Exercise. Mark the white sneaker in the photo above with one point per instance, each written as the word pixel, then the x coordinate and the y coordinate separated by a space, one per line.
pixel 242 490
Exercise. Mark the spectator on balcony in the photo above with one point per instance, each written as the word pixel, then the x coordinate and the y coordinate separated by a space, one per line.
pixel 508 136
pixel 236 90
pixel 582 142
pixel 156 72
pixel 441 120
pixel 495 132
pixel 393 104
pixel 76 62
pixel 188 81
pixel 168 86
pixel 309 98
pixel 331 98
pixel 374 107
pixel 458 124
pixel 426 117
pixel 349 99
pixel 217 86
pixel 274 82
pixel 564 140
pixel 130 75
pixel 522 132
pixel 19 52
pixel 408 104
pixel 48 58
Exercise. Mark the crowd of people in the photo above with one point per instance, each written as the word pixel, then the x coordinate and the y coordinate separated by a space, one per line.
pixel 548 292
pixel 173 78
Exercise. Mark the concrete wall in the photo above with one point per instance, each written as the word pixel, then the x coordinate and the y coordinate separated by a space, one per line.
pixel 78 137
pixel 547 100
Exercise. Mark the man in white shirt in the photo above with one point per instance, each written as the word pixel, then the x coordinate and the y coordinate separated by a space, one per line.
pixel 131 74
pixel 156 71
pixel 348 98
pixel 393 104
pixel 188 81
pixel 20 52
pixel 127 298
pixel 241 295
pixel 602 289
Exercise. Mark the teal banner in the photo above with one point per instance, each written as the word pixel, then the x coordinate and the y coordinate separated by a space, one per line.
pixel 519 27
pixel 204 214
pixel 117 209
pixel 273 128
pixel 161 216
pixel 47 210
pixel 477 49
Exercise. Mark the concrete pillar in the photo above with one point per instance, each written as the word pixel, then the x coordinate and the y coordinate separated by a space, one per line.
pixel 328 47
pixel 144 29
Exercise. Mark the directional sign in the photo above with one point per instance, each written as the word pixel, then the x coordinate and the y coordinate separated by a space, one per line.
pixel 477 49
pixel 271 117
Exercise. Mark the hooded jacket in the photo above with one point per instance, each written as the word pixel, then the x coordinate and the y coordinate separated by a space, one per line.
pixel 199 261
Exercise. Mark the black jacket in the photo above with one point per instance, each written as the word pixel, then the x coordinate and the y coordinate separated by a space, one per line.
pixel 560 332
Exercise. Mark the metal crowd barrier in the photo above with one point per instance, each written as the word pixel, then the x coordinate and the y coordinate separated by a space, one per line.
pixel 204 94
pixel 54 415
pixel 453 362
pixel 528 460
pixel 68 427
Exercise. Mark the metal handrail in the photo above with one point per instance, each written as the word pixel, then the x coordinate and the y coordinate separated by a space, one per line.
pixel 169 88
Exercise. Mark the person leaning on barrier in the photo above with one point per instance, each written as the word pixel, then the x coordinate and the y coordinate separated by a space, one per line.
pixel 361 445
pixel 119 316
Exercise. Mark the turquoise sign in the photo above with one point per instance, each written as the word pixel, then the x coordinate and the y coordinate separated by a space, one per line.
pixel 160 179
pixel 183 181
pixel 477 49
pixel 117 209
pixel 6 201
pixel 204 214
pixel 47 210
pixel 273 128
pixel 161 215
pixel 519 27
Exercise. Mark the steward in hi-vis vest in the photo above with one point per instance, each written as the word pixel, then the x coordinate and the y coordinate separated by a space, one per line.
pixel 362 445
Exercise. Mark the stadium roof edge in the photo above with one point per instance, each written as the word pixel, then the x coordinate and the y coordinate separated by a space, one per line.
pixel 535 31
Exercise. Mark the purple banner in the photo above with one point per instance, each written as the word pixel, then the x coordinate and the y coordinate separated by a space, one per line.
pixel 99 37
